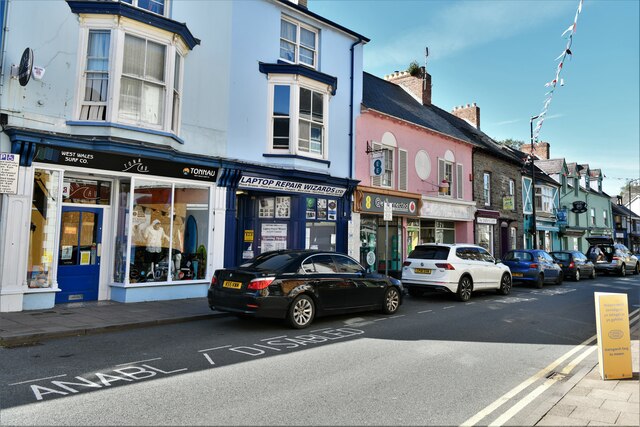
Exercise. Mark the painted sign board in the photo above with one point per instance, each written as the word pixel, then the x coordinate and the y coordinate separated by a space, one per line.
pixel 374 203
pixel 614 341
pixel 377 159
pixel 9 167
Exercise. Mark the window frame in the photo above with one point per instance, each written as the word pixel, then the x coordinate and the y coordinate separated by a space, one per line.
pixel 443 164
pixel 165 6
pixel 299 25
pixel 174 47
pixel 486 188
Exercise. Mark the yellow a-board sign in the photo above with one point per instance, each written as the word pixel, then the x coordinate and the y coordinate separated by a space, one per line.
pixel 614 340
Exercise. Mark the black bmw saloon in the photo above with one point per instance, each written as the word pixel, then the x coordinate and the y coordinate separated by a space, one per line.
pixel 298 285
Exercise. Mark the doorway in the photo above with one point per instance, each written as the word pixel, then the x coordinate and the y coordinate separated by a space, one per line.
pixel 79 254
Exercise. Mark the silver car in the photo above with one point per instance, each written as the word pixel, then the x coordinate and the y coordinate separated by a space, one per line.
pixel 610 257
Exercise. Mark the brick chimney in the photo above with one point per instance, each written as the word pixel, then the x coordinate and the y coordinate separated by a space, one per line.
pixel 418 85
pixel 470 113
pixel 541 150
pixel 303 3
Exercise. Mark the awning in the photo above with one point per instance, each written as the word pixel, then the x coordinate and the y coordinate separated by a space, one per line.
pixel 485 213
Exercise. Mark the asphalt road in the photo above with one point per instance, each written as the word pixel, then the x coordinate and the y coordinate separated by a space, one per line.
pixel 437 362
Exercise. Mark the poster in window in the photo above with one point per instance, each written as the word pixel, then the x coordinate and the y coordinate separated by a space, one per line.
pixel 333 210
pixel 274 237
pixel 322 208
pixel 67 251
pixel 85 257
pixel 311 208
pixel 283 207
pixel 266 208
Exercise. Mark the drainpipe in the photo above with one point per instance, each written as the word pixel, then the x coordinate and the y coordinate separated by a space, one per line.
pixel 3 48
pixel 351 136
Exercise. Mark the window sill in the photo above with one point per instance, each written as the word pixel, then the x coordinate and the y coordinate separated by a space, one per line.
pixel 156 284
pixel 295 156
pixel 126 127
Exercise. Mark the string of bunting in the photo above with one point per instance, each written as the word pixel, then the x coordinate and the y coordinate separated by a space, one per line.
pixel 553 83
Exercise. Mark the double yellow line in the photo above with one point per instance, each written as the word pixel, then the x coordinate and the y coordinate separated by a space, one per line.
pixel 586 348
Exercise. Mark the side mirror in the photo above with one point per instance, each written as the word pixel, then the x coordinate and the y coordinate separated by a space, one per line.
pixel 498 260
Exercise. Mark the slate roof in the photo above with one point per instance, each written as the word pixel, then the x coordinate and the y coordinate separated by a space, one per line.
pixel 551 166
pixel 526 169
pixel 622 210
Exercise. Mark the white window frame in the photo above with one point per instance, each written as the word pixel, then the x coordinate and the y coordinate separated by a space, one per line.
pixel 443 164
pixel 593 216
pixel 296 43
pixel 118 30
pixel 459 181
pixel 134 3
pixel 547 199
pixel 512 187
pixel 486 188
pixel 606 220
pixel 296 82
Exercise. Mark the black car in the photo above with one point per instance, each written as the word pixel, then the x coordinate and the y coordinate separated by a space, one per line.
pixel 298 285
pixel 574 264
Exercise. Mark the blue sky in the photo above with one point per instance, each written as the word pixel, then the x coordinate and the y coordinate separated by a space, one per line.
pixel 500 53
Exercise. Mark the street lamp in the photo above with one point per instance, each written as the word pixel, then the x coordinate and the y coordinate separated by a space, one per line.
pixel 533 187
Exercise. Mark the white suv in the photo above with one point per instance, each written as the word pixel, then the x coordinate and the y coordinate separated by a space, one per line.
pixel 460 269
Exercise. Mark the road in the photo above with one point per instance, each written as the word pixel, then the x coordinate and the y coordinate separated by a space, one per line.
pixel 437 362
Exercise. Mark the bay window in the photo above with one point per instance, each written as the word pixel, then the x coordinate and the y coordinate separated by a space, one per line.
pixel 155 6
pixel 544 199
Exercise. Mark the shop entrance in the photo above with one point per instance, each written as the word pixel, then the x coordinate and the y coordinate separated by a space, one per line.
pixel 79 254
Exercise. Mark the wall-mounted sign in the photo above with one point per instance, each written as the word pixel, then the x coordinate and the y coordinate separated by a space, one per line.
pixel 481 220
pixel 376 167
pixel 614 341
pixel 561 217
pixel 121 163
pixel 579 206
pixel 9 167
pixel 26 66
pixel 374 203
pixel 289 186
pixel 508 203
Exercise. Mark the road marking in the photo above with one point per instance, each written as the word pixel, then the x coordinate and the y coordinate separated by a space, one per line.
pixel 383 318
pixel 211 362
pixel 469 303
pixel 274 338
pixel 317 330
pixel 39 379
pixel 395 317
pixel 425 311
pixel 214 348
pixel 139 361
pixel 540 389
pixel 450 306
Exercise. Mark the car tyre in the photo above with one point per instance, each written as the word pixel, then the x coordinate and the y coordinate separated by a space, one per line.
pixel 465 287
pixel 415 292
pixel 623 270
pixel 576 276
pixel 301 312
pixel 560 278
pixel 540 281
pixel 391 301
pixel 505 285
pixel 593 274
pixel 637 269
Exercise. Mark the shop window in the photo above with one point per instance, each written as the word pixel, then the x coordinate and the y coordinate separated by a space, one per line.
pixel 368 242
pixel 189 232
pixel 122 231
pixel 86 191
pixel 438 231
pixel 321 209
pixel 321 236
pixel 485 236
pixel 44 220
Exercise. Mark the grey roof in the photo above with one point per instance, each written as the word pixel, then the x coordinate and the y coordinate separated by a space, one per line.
pixel 551 166
pixel 622 210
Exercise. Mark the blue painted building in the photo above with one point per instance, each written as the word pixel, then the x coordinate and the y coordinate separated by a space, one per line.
pixel 155 141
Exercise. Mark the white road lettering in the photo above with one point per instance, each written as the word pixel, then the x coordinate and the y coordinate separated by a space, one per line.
pixel 40 391
pixel 85 383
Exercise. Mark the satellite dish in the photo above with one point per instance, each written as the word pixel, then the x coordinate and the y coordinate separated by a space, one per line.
pixel 25 67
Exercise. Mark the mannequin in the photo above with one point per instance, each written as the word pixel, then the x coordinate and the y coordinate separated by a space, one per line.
pixel 154 235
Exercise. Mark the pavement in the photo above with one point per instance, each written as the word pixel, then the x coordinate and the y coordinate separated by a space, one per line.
pixel 585 401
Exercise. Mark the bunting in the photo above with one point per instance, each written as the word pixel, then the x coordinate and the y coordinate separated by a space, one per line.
pixel 569 32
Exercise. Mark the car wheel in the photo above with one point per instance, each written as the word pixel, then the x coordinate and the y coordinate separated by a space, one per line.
pixel 465 287
pixel 540 282
pixel 623 270
pixel 560 278
pixel 391 301
pixel 415 292
pixel 576 276
pixel 505 285
pixel 301 312
pixel 593 274
pixel 637 269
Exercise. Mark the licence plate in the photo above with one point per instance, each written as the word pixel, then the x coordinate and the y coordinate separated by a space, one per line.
pixel 232 285
pixel 422 270
pixel 516 274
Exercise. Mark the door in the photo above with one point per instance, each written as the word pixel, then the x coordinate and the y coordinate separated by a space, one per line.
pixel 79 254
pixel 369 290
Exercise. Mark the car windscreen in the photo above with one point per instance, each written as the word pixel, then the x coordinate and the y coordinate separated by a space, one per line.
pixel 430 252
pixel 270 261
pixel 518 256
pixel 562 256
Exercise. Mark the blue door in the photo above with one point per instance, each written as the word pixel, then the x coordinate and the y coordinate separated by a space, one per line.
pixel 79 254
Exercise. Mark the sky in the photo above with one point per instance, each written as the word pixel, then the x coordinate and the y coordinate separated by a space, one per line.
pixel 500 53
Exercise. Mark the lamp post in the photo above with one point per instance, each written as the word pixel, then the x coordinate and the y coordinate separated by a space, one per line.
pixel 533 187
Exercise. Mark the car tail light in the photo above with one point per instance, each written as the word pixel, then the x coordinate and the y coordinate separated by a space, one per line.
pixel 572 264
pixel 214 281
pixel 616 258
pixel 406 263
pixel 532 266
pixel 259 284
pixel 445 265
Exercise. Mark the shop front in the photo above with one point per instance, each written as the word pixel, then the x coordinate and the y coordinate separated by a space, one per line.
pixel 275 213
pixel 105 225
pixel 383 245
pixel 445 220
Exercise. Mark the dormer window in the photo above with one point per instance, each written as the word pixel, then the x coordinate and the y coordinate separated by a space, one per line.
pixel 298 43
pixel 154 6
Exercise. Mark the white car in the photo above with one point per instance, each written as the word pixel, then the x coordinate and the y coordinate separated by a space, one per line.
pixel 459 269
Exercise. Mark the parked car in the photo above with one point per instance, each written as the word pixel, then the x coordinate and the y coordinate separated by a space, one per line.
pixel 574 264
pixel 533 266
pixel 299 285
pixel 459 269
pixel 610 257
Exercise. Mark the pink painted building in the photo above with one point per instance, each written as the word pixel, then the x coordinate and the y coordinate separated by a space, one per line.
pixel 408 155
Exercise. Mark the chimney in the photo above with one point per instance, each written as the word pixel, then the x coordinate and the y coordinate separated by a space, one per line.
pixel 418 84
pixel 303 3
pixel 470 113
pixel 541 150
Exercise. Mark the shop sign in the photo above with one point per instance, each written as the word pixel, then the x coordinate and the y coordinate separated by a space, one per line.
pixel 481 220
pixel 579 206
pixel 614 340
pixel 374 203
pixel 377 159
pixel 9 166
pixel 289 186
pixel 508 203
pixel 619 235
pixel 561 217
pixel 121 163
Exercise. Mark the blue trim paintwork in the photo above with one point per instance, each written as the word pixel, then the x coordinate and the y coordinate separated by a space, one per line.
pixel 295 156
pixel 126 127
pixel 300 70
pixel 158 293
pixel 137 14
pixel 38 300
